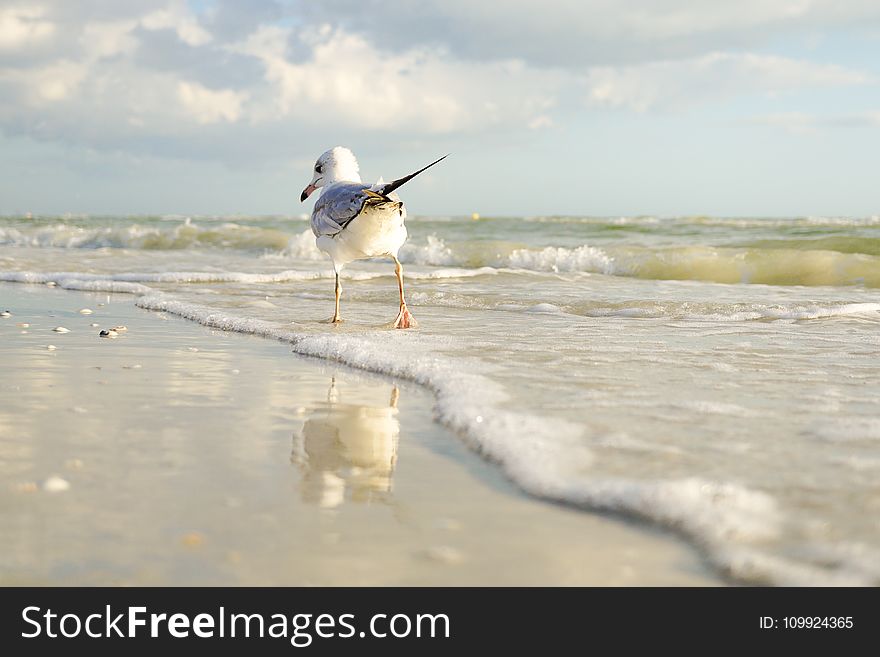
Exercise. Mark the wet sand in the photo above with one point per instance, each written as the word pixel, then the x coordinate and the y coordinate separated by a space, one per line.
pixel 174 454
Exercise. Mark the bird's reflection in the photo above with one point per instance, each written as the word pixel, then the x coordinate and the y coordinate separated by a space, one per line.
pixel 347 448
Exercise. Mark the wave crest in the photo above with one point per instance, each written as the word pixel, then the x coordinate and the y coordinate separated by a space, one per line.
pixel 187 235
pixel 731 265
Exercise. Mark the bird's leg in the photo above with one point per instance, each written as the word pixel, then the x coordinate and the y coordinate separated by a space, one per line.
pixel 336 318
pixel 404 317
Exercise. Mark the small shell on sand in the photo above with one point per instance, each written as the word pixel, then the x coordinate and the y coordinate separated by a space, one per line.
pixel 51 347
pixel 193 349
pixel 23 325
pixel 51 283
pixel 85 311
pixel 56 484
pixel 136 366
pixel 108 333
pixel 5 313
pixel 119 329
pixel 61 329
pixel 94 325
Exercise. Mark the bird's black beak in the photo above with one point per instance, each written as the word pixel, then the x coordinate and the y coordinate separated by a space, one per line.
pixel 306 193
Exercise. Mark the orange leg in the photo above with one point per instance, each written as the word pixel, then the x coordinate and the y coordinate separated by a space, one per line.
pixel 336 318
pixel 404 317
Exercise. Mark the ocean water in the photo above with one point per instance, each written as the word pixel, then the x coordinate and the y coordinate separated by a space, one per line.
pixel 716 376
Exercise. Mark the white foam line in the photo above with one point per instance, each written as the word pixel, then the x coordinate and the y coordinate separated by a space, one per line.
pixel 452 272
pixel 62 278
pixel 818 312
pixel 71 280
pixel 756 312
pixel 74 281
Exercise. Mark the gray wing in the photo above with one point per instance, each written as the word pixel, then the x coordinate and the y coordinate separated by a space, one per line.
pixel 337 206
pixel 341 203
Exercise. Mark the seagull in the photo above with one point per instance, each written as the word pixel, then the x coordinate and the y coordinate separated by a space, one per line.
pixel 353 221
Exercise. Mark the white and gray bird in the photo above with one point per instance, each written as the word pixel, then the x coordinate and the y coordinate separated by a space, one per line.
pixel 353 221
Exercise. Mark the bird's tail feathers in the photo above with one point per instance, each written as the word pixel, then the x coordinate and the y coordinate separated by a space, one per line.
pixel 386 189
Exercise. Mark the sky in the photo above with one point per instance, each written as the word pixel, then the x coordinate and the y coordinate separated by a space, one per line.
pixel 587 107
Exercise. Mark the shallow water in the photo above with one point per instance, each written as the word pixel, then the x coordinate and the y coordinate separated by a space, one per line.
pixel 718 376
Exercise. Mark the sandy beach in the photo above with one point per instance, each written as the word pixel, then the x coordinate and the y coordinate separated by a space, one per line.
pixel 176 454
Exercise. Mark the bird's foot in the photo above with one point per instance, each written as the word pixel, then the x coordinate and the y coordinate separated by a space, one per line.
pixel 336 319
pixel 405 319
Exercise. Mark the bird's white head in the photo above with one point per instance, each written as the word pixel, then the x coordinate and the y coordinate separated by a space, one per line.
pixel 336 165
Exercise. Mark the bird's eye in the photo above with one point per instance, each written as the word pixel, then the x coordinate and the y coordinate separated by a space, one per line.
pixel 319 168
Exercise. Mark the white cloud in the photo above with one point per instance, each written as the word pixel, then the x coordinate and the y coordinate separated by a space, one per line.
pixel 718 75
pixel 23 25
pixel 177 18
pixel 59 81
pixel 539 122
pixel 348 80
pixel 47 84
pixel 108 38
pixel 209 106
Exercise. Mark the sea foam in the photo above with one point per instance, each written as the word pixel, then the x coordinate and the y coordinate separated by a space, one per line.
pixel 727 265
pixel 187 235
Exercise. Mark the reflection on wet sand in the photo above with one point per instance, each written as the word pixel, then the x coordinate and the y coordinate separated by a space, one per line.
pixel 347 447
